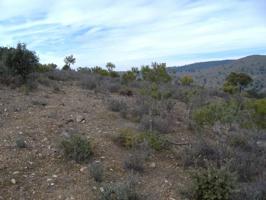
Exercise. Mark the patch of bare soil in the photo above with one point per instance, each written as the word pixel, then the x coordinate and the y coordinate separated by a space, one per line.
pixel 43 118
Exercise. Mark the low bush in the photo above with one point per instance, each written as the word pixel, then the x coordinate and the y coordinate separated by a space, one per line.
pixel 128 77
pixel 252 191
pixel 135 161
pixel 116 105
pixel 201 153
pixel 63 75
pixel 127 138
pixel 114 87
pixel 259 112
pixel 240 141
pixel 126 190
pixel 213 184
pixel 43 80
pixel 247 165
pixel 89 83
pixel 159 124
pixel 77 148
pixel 20 143
pixel 96 171
pixel 155 141
pixel 224 112
pixel 130 139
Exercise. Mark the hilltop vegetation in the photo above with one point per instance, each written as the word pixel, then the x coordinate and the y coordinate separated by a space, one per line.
pixel 213 74
pixel 93 133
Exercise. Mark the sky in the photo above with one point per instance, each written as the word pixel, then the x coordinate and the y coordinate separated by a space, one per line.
pixel 135 32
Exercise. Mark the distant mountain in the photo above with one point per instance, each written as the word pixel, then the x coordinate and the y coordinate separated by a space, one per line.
pixel 195 67
pixel 213 73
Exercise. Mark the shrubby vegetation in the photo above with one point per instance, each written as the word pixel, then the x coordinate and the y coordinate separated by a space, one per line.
pixel 125 190
pixel 131 139
pixel 213 183
pixel 228 124
pixel 186 80
pixel 236 82
pixel 77 148
pixel 96 171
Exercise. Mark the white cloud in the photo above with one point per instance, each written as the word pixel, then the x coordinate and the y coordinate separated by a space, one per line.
pixel 133 32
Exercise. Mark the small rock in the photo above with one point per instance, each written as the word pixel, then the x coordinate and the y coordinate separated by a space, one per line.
pixel 166 181
pixel 65 134
pixel 152 165
pixel 82 169
pixel 69 121
pixel 80 119
pixel 94 187
pixel 16 172
pixel 55 176
pixel 52 184
pixel 101 189
pixel 261 143
pixel 49 179
pixel 13 181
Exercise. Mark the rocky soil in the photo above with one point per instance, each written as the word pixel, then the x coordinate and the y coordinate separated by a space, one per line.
pixel 42 118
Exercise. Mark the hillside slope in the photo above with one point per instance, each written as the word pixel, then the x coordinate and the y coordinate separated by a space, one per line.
pixel 214 75
pixel 196 67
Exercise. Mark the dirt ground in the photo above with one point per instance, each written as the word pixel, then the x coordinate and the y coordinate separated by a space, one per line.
pixel 40 171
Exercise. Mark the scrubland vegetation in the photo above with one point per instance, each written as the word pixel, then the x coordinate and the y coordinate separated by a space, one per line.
pixel 223 159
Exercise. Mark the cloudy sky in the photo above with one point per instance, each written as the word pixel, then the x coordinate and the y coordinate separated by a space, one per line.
pixel 134 32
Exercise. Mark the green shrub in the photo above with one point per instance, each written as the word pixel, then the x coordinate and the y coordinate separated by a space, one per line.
pixel 236 82
pixel 21 61
pixel 201 154
pixel 213 184
pixel 100 71
pixel 128 77
pixel 135 161
pixel 241 141
pixel 259 112
pixel 96 171
pixel 223 112
pixel 155 141
pixel 229 88
pixel 186 80
pixel 157 73
pixel 125 190
pixel 20 143
pixel 116 105
pixel 127 138
pixel 114 74
pixel 45 68
pixel 77 148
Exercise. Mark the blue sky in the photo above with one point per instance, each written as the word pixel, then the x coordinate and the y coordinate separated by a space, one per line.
pixel 134 32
